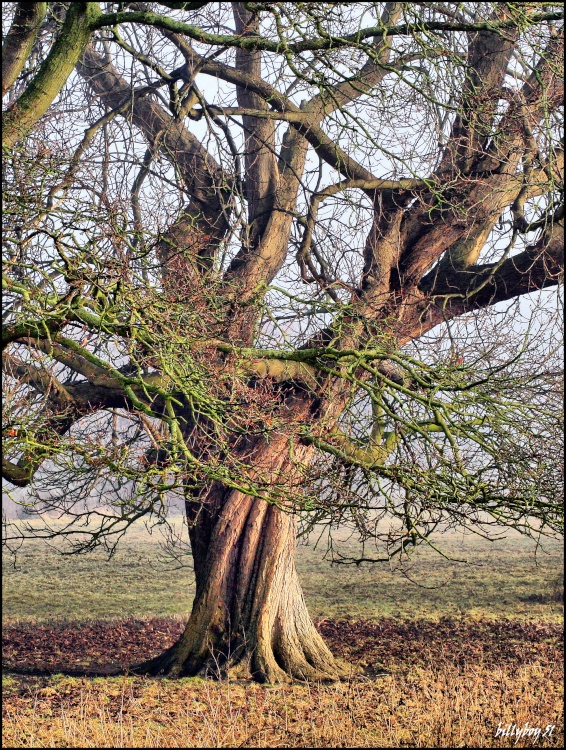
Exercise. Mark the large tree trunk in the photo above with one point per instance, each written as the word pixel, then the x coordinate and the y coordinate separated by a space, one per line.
pixel 249 607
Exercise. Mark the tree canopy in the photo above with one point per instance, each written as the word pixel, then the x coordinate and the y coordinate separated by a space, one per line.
pixel 287 262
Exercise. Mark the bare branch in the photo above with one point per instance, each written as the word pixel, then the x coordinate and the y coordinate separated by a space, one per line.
pixel 325 43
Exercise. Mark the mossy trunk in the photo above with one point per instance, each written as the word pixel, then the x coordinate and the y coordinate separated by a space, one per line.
pixel 66 51
pixel 249 607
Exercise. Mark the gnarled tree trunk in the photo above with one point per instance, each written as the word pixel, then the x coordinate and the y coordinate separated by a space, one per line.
pixel 249 604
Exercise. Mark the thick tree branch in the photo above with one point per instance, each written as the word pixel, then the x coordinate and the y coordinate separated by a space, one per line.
pixel 261 171
pixel 15 474
pixel 301 118
pixel 52 76
pixel 496 181
pixel 369 76
pixel 35 329
pixel 321 43
pixel 281 371
pixel 253 268
pixel 185 6
pixel 489 53
pixel 74 361
pixel 204 221
pixel 461 232
pixel 36 377
pixel 369 186
pixel 19 40
pixel 538 267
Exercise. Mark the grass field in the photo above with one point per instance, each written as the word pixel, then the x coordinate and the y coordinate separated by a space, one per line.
pixel 467 648
pixel 506 579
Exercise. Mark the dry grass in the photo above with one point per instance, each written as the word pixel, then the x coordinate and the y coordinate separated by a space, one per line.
pixel 443 706
pixel 451 683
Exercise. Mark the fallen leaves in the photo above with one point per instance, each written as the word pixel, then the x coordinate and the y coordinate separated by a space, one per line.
pixel 452 681
pixel 406 644
pixel 396 645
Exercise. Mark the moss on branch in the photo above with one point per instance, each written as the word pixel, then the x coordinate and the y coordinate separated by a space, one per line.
pixel 326 42
pixel 53 74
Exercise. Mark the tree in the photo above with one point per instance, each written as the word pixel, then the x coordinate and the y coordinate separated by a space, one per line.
pixel 279 259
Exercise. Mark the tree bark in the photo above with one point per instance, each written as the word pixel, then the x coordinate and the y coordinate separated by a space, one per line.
pixel 34 102
pixel 18 45
pixel 249 607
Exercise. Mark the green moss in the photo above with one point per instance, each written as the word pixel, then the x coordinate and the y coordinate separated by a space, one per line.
pixel 53 74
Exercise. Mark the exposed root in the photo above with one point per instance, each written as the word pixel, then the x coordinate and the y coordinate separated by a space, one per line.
pixel 286 661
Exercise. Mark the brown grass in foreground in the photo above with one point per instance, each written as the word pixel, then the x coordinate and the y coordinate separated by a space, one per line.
pixel 458 680
pixel 440 707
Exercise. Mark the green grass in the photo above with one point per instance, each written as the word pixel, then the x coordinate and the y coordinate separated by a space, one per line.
pixel 46 585
pixel 505 580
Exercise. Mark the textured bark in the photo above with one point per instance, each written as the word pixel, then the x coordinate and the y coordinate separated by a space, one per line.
pixel 52 75
pixel 261 165
pixel 249 606
pixel 19 40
